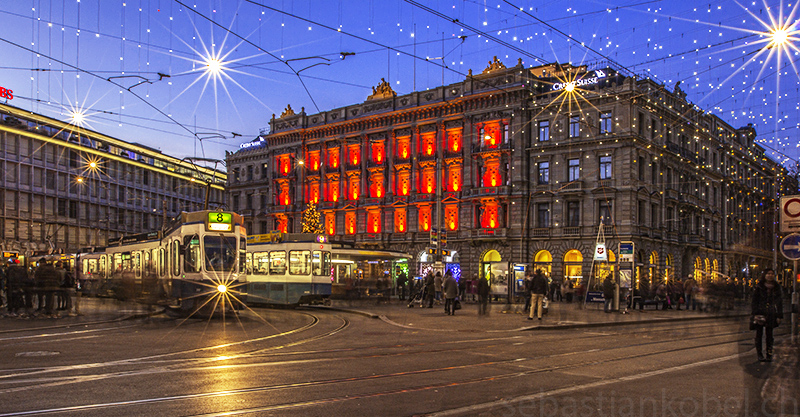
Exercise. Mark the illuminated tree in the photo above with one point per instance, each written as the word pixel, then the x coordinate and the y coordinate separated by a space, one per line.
pixel 311 223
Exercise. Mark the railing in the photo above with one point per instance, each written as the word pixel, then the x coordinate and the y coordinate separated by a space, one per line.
pixel 498 232
pixel 541 232
pixel 488 148
pixel 572 186
pixel 480 191
pixel 571 231
pixel 608 183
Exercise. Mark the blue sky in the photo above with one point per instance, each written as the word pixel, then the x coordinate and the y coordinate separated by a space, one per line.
pixel 109 60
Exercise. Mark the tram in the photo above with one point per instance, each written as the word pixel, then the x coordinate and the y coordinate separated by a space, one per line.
pixel 193 264
pixel 288 269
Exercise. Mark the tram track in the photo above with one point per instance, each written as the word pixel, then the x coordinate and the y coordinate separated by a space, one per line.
pixel 407 389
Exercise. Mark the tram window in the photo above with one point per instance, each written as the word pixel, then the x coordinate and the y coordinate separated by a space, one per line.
pixel 299 262
pixel 191 255
pixel 85 270
pixel 316 262
pixel 242 254
pixel 146 264
pixel 326 263
pixel 175 259
pixel 260 263
pixel 277 262
pixel 137 264
pixel 161 262
pixel 220 253
pixel 117 265
pixel 103 266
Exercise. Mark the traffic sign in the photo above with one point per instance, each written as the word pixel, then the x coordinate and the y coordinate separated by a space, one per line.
pixel 790 247
pixel 790 214
pixel 626 252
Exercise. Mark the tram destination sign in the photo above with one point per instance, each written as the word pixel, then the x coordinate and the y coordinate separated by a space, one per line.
pixel 219 222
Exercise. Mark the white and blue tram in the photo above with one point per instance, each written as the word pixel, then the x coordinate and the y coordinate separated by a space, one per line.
pixel 288 269
pixel 197 257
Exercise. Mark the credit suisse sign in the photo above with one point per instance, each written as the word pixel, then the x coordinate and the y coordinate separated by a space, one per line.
pixel 598 75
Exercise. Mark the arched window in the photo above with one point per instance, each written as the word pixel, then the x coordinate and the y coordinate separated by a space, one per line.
pixel 573 265
pixel 543 260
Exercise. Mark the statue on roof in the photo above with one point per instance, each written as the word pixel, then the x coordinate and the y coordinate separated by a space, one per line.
pixel 678 92
pixel 494 65
pixel 382 90
pixel 287 112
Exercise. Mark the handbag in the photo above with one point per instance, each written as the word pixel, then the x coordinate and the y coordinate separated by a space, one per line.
pixel 759 320
pixel 457 305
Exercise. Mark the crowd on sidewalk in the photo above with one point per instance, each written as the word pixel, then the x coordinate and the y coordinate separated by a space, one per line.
pixel 45 292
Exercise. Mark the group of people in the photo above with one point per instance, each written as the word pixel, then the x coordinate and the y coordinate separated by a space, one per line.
pixel 436 288
pixel 40 293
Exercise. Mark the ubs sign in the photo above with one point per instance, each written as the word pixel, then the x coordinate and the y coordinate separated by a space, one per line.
pixel 6 93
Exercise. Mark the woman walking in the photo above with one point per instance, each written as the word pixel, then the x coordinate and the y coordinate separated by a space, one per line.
pixel 767 311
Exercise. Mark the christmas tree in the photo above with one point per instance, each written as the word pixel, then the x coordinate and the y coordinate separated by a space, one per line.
pixel 311 223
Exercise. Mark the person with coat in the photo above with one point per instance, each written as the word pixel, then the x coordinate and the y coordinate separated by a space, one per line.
pixel 689 291
pixel 608 294
pixel 402 281
pixel 766 311
pixel 437 283
pixel 450 289
pixel 538 291
pixel 483 296
pixel 430 289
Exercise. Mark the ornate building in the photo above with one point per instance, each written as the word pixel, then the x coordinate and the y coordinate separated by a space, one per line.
pixel 522 165
pixel 65 187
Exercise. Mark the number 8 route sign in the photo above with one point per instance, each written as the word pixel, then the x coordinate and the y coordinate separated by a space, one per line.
pixel 790 214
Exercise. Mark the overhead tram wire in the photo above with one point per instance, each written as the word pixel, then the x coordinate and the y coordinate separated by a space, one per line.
pixel 285 62
pixel 477 31
pixel 692 51
pixel 98 76
pixel 391 48
pixel 569 37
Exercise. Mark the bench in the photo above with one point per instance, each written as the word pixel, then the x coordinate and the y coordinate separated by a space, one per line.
pixel 645 302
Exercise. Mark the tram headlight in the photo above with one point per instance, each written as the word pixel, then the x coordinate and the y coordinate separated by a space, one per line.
pixel 222 288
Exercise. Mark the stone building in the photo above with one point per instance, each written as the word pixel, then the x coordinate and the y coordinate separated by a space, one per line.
pixel 522 165
pixel 66 188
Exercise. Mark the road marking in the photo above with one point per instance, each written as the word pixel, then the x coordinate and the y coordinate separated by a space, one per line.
pixel 474 409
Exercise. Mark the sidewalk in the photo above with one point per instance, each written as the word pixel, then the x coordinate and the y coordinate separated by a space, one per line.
pixel 87 310
pixel 510 317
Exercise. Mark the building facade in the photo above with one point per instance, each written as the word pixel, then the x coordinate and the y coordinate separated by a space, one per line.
pixel 66 188
pixel 523 165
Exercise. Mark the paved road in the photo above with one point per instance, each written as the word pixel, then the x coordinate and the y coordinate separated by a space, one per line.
pixel 390 360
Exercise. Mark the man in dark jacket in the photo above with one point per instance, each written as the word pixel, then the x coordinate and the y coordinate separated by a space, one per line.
pixel 538 290
pixel 430 289
pixel 608 294
pixel 767 311
pixel 483 296
pixel 402 280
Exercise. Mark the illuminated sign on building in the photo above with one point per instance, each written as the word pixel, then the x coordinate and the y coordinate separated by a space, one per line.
pixel 6 93
pixel 598 75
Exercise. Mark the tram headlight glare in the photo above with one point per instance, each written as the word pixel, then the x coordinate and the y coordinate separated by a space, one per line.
pixel 222 288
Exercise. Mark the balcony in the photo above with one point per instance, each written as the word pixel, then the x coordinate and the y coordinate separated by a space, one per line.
pixel 419 197
pixel 371 237
pixel 484 191
pixel 606 183
pixel 574 186
pixel 329 169
pixel 672 194
pixel 372 201
pixel 571 231
pixel 399 237
pixel 694 240
pixel 487 148
pixel 671 236
pixel 493 233
pixel 423 157
pixel 374 164
pixel 540 233
pixel 327 205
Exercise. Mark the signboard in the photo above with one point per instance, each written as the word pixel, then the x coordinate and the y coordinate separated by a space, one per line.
pixel 582 82
pixel 594 297
pixel 434 237
pixel 6 93
pixel 790 214
pixel 790 247
pixel 626 252
pixel 600 253
pixel 625 278
pixel 219 222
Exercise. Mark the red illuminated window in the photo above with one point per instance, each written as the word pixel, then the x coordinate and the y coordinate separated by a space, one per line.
pixel 374 221
pixel 454 141
pixel 282 224
pixel 333 157
pixel 313 192
pixel 491 175
pixel 350 222
pixel 333 191
pixel 354 154
pixel 453 183
pixel 313 161
pixel 428 144
pixel 283 194
pixel 489 218
pixel 425 218
pixel 378 152
pixel 451 216
pixel 376 186
pixel 403 180
pixel 353 188
pixel 284 164
pixel 330 223
pixel 403 147
pixel 428 181
pixel 400 223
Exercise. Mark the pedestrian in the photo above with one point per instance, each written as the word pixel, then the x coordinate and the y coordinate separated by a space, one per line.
pixel 438 281
pixel 538 291
pixel 462 288
pixel 766 312
pixel 608 294
pixel 689 291
pixel 46 277
pixel 662 296
pixel 16 277
pixel 450 291
pixel 483 296
pixel 526 291
pixel 66 284
pixel 402 282
pixel 430 289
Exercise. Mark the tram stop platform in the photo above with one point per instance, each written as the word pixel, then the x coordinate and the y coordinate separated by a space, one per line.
pixel 505 317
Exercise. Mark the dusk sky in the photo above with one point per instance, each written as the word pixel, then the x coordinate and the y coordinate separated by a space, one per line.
pixel 109 60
